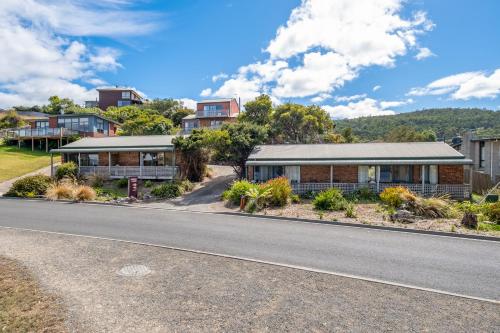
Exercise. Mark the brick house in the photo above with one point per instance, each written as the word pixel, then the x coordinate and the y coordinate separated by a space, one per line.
pixel 429 168
pixel 46 129
pixel 211 114
pixel 115 97
pixel 146 157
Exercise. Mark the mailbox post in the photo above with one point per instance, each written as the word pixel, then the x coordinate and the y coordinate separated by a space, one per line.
pixel 132 187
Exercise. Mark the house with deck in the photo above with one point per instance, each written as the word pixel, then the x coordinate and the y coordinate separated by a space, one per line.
pixel 145 157
pixel 46 130
pixel 211 114
pixel 428 168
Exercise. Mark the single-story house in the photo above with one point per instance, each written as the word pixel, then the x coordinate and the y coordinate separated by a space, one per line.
pixel 429 168
pixel 146 157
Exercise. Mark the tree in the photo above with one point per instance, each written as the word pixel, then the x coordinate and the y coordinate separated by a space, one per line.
pixel 57 105
pixel 195 151
pixel 179 114
pixel 124 113
pixel 409 134
pixel 296 123
pixel 236 143
pixel 11 120
pixel 76 109
pixel 147 124
pixel 258 111
pixel 348 135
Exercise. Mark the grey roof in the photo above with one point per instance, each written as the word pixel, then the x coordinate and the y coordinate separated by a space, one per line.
pixel 215 100
pixel 190 116
pixel 356 153
pixel 85 114
pixel 119 143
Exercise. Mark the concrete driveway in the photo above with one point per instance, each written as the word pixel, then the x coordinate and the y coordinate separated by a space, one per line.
pixel 188 292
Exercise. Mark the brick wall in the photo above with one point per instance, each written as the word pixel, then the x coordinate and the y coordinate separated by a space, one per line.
pixel 103 159
pixel 451 174
pixel 53 122
pixel 128 159
pixel 345 174
pixel 314 173
pixel 417 174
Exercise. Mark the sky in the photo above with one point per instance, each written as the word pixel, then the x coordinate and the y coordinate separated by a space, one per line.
pixel 352 57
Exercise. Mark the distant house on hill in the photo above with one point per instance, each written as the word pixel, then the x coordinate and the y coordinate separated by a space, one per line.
pixel 484 151
pixel 115 96
pixel 211 114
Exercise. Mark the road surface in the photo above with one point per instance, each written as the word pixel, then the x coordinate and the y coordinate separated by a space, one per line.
pixel 454 265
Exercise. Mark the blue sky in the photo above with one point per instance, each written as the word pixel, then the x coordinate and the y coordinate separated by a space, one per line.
pixel 354 58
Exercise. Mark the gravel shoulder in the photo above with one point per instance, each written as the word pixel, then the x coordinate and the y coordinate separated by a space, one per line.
pixel 192 292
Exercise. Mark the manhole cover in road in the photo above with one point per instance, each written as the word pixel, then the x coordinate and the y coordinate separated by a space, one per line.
pixel 134 270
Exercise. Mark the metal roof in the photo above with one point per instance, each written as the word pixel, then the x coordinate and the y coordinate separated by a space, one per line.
pixel 216 100
pixel 412 151
pixel 362 162
pixel 119 143
pixel 190 116
pixel 85 114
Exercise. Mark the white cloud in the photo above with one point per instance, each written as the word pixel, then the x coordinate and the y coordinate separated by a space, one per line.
pixel 320 98
pixel 367 107
pixel 206 92
pixel 463 86
pixel 219 76
pixel 394 104
pixel 41 55
pixel 326 43
pixel 423 53
pixel 189 103
pixel 349 98
pixel 377 87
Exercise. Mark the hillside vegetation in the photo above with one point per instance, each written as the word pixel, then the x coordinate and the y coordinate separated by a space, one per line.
pixel 444 122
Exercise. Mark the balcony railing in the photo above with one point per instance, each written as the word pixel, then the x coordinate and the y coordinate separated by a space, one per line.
pixel 144 172
pixel 457 191
pixel 212 113
pixel 39 132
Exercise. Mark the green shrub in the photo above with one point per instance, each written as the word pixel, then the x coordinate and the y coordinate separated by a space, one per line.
pixel 122 182
pixel 280 191
pixel 237 190
pixel 363 194
pixel 96 180
pixel 166 191
pixel 148 184
pixel 258 198
pixel 29 186
pixel 67 170
pixel 186 185
pixel 492 211
pixel 350 210
pixel 396 196
pixel 331 199
pixel 295 198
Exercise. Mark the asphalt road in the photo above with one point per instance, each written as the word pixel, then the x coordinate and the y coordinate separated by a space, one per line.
pixel 462 266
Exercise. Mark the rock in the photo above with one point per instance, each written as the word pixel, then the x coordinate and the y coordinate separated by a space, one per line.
pixel 469 220
pixel 403 216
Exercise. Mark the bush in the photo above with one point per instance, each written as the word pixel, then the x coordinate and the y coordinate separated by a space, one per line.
pixel 30 186
pixel 96 180
pixel 364 194
pixel 122 182
pixel 84 193
pixel 63 190
pixel 295 198
pixel 331 199
pixel 280 191
pixel 492 211
pixel 237 190
pixel 166 191
pixel 67 170
pixel 258 197
pixel 435 207
pixel 350 210
pixel 148 184
pixel 395 197
pixel 186 185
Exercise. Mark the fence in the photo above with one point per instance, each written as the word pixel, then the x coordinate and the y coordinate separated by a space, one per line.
pixel 481 182
pixel 145 172
pixel 457 191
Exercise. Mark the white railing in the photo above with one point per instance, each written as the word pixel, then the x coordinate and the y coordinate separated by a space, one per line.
pixel 40 132
pixel 212 113
pixel 458 191
pixel 146 172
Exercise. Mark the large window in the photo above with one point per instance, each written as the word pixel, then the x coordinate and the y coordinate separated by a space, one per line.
pixel 123 103
pixel 212 107
pixel 41 124
pixel 482 153
pixel 89 159
pixel 263 173
pixel 74 123
pixel 125 94
pixel 153 159
pixel 396 173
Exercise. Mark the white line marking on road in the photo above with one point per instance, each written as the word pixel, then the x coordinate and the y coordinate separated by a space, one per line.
pixel 302 268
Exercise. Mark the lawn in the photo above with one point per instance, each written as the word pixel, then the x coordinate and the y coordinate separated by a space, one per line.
pixel 24 307
pixel 16 162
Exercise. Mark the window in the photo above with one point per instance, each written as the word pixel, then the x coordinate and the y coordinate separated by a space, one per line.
pixel 123 103
pixel 385 174
pixel 89 159
pixel 433 174
pixel 212 107
pixel 99 125
pixel 482 148
pixel 149 159
pixel 263 173
pixel 41 124
pixel 125 94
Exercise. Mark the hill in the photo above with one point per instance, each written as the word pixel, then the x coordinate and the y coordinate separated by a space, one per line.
pixel 444 122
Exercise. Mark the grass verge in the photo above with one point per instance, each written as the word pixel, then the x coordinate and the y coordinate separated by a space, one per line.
pixel 16 162
pixel 23 306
